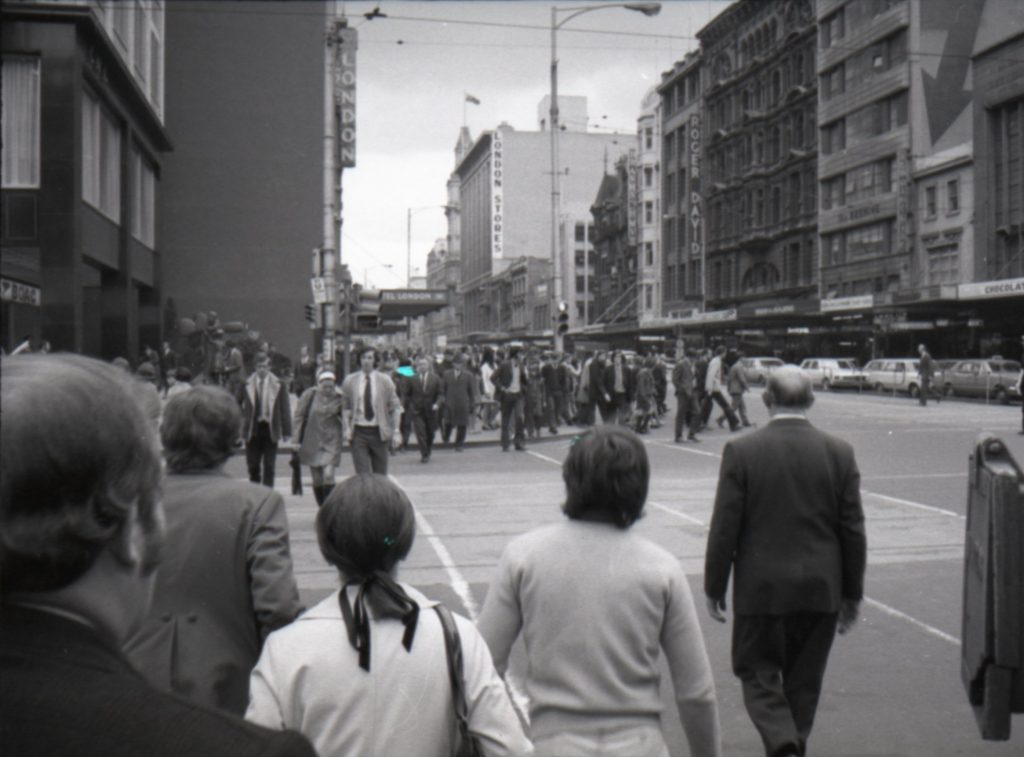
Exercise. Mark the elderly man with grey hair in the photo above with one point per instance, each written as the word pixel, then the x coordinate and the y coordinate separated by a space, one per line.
pixel 788 523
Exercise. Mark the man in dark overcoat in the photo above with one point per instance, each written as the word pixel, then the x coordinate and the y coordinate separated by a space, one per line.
pixel 459 397
pixel 424 396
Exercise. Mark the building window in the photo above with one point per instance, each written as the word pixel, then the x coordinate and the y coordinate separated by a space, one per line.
pixel 20 122
pixel 833 29
pixel 143 200
pixel 580 232
pixel 953 196
pixel 648 176
pixel 930 202
pixel 943 265
pixel 648 297
pixel 833 137
pixel 101 159
pixel 648 138
pixel 869 241
pixel 648 212
pixel 648 253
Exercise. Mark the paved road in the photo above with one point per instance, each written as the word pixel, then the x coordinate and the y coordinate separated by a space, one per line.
pixel 893 686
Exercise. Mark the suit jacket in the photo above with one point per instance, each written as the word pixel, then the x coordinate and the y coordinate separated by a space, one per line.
pixel 280 413
pixel 737 379
pixel 65 689
pixel 628 380
pixel 459 396
pixel 387 407
pixel 224 583
pixel 423 396
pixel 788 519
pixel 683 377
pixel 502 379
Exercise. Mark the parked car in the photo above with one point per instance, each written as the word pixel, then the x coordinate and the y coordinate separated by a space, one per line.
pixel 893 374
pixel 831 372
pixel 993 378
pixel 756 369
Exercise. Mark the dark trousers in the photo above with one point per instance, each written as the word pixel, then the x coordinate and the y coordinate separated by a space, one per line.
pixel 585 413
pixel 460 436
pixel 684 414
pixel 556 409
pixel 406 426
pixel 369 451
pixel 513 412
pixel 780 661
pixel 261 452
pixel 719 399
pixel 425 424
pixel 927 388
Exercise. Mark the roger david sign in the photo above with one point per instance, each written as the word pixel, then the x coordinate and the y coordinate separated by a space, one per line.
pixel 497 199
pixel 345 95
pixel 696 241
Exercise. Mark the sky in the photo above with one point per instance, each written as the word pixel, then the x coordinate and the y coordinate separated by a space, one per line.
pixel 414 67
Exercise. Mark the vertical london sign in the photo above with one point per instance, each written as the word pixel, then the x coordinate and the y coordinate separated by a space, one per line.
pixel 497 177
pixel 345 95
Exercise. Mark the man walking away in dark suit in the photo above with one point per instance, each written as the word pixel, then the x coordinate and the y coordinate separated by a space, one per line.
pixel 424 398
pixel 788 520
pixel 82 525
pixel 267 418
pixel 687 414
pixel 926 375
pixel 510 384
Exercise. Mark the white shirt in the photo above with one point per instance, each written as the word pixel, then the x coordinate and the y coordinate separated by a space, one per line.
pixel 308 678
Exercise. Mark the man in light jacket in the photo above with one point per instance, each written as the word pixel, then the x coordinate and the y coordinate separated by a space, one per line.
pixel 267 419
pixel 373 413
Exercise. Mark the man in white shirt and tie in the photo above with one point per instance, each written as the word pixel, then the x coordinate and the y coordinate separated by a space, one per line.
pixel 373 413
pixel 267 418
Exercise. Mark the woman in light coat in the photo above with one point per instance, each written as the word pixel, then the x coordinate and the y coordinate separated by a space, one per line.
pixel 366 671
pixel 319 431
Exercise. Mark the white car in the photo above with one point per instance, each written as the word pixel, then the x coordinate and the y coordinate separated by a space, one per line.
pixel 830 372
pixel 893 374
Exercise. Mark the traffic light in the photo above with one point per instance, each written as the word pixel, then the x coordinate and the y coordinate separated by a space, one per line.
pixel 563 318
pixel 313 316
pixel 366 310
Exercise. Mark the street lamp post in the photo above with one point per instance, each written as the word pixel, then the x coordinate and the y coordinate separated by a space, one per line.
pixel 648 9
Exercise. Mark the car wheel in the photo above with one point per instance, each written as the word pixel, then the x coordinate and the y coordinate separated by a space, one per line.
pixel 1001 396
pixel 826 385
pixel 912 390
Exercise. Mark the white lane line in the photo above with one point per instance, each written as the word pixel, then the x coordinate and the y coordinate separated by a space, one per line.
pixel 912 620
pixel 545 458
pixel 908 503
pixel 676 513
pixel 683 447
pixel 460 586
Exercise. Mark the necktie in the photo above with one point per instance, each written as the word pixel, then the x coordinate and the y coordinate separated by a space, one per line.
pixel 368 400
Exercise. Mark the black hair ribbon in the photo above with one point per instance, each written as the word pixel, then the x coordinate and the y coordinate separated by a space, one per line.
pixel 357 620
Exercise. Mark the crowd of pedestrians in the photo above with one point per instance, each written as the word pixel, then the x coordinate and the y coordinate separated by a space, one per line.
pixel 147 612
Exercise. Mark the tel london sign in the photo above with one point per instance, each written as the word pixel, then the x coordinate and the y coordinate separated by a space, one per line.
pixel 991 289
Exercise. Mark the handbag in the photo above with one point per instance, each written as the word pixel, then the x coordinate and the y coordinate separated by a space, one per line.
pixel 464 744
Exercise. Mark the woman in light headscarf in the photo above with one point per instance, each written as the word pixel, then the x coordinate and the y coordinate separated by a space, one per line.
pixel 318 428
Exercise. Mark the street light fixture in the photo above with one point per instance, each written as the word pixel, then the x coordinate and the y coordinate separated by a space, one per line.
pixel 648 9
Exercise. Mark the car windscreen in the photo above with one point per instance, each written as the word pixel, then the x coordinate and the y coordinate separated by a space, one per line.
pixel 850 365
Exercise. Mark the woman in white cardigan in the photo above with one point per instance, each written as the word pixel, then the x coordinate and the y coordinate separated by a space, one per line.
pixel 596 606
pixel 365 671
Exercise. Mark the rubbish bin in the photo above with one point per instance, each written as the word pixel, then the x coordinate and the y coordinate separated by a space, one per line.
pixel 992 651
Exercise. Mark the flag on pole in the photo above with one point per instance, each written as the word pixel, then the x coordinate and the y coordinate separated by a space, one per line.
pixel 471 99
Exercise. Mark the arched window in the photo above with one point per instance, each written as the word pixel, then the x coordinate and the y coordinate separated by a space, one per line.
pixel 759 278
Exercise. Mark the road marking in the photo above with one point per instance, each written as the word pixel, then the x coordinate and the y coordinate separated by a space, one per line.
pixel 908 503
pixel 545 458
pixel 912 620
pixel 677 513
pixel 681 448
pixel 461 587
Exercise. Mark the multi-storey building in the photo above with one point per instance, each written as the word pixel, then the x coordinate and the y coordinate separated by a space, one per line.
pixel 682 204
pixel 244 190
pixel 646 181
pixel 615 245
pixel 84 142
pixel 759 172
pixel 505 222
